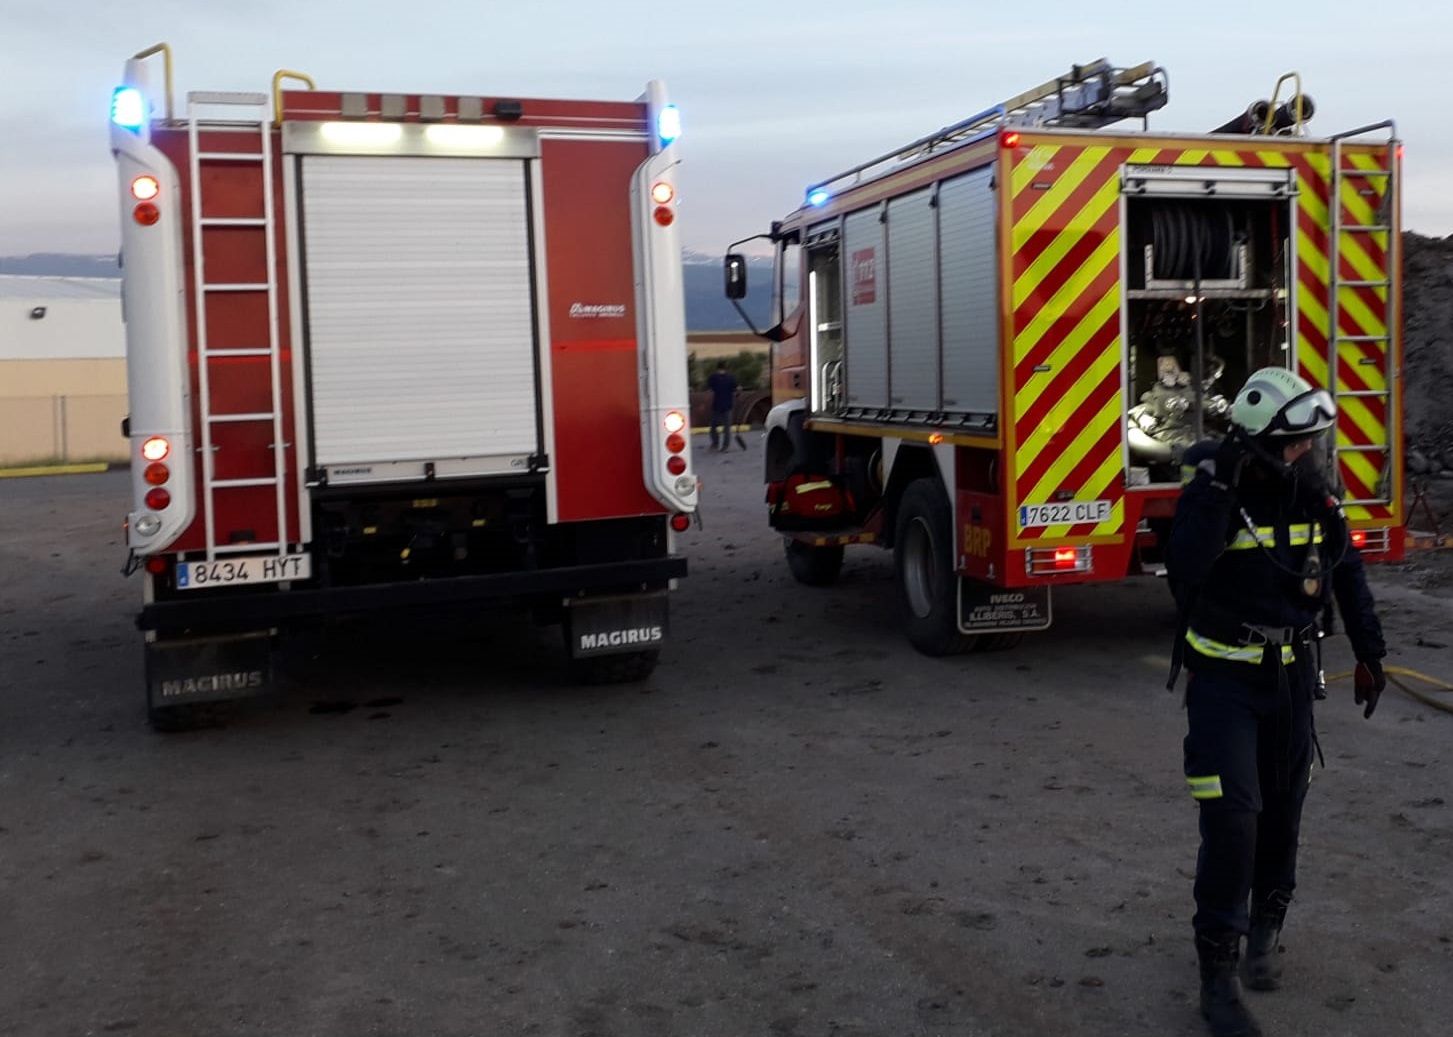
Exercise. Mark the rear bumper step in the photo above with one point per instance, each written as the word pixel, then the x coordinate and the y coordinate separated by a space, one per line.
pixel 256 610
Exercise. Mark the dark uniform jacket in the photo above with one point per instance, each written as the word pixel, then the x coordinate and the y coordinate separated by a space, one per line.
pixel 1236 556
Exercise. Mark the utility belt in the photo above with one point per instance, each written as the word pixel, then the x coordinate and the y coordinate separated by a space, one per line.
pixel 1216 634
pixel 1251 642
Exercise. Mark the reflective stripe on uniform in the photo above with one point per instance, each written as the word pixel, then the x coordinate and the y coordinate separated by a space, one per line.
pixel 1208 787
pixel 1298 534
pixel 808 487
pixel 1235 653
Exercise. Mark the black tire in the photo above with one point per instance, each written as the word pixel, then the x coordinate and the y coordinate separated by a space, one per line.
pixel 177 719
pixel 923 562
pixel 814 566
pixel 625 668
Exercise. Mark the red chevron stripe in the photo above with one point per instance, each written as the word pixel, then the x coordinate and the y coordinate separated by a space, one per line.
pixel 1062 381
pixel 1310 179
pixel 1089 240
pixel 1106 169
pixel 1098 397
pixel 1355 486
pixel 1063 271
pixel 1077 482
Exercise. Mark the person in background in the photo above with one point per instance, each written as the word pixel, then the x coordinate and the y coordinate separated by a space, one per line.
pixel 723 402
pixel 1259 551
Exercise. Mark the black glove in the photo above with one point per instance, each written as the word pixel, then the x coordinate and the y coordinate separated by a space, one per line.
pixel 1368 680
pixel 1230 459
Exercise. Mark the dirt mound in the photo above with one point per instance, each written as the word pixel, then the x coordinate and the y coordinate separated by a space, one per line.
pixel 1428 348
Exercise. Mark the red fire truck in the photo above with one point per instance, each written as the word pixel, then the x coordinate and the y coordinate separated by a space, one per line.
pixel 389 351
pixel 991 345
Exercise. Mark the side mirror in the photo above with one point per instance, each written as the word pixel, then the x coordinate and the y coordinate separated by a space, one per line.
pixel 735 269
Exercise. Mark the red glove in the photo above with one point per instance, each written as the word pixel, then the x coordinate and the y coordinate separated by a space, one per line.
pixel 1368 680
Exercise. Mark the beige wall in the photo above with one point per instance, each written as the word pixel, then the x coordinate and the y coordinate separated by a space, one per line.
pixel 712 345
pixel 62 410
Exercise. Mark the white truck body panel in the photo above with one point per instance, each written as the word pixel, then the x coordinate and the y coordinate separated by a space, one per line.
pixel 420 315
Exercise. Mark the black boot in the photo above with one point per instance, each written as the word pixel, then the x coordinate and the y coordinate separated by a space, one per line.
pixel 1220 989
pixel 1263 966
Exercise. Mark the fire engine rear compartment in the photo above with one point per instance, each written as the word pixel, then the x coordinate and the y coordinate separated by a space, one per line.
pixel 420 317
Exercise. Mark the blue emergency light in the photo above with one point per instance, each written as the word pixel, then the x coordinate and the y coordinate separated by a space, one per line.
pixel 668 124
pixel 817 197
pixel 128 108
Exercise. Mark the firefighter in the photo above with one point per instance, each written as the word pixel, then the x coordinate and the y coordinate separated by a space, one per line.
pixel 1258 550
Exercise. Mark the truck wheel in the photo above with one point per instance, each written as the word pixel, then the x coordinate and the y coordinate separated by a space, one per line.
pixel 614 669
pixel 923 561
pixel 814 566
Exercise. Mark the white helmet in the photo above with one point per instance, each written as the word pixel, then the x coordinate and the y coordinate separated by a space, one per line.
pixel 1278 402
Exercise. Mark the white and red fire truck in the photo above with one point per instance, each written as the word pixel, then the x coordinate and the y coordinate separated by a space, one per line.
pixel 991 345
pixel 388 351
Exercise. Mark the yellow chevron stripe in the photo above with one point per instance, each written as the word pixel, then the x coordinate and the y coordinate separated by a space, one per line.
pixel 1095 429
pixel 1229 158
pixel 1367 268
pixel 1102 201
pixel 1366 318
pixel 1191 157
pixel 1101 368
pixel 1357 463
pixel 1375 375
pixel 1095 488
pixel 1030 166
pixel 1058 305
pixel 1356 410
pixel 1107 308
pixel 1050 201
pixel 1274 159
pixel 1316 367
pixel 1314 258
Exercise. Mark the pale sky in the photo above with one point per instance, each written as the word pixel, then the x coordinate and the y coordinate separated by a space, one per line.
pixel 773 95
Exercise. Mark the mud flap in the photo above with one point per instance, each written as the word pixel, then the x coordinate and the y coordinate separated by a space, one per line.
pixel 184 671
pixel 610 626
pixel 986 609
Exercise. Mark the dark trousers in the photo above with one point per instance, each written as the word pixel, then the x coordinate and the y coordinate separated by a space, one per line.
pixel 722 418
pixel 1250 727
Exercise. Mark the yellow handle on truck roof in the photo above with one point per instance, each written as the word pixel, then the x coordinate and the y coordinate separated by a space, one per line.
pixel 165 50
pixel 277 90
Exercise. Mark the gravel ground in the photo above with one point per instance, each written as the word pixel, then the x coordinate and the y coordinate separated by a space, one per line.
pixel 797 827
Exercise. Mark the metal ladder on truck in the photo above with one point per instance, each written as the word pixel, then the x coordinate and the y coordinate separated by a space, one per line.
pixel 1088 97
pixel 261 293
pixel 1344 235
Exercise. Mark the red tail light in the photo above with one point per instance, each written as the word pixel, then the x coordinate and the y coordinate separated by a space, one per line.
pixel 1010 140
pixel 156 473
pixel 676 442
pixel 155 449
pixel 146 214
pixel 1359 538
pixel 681 523
pixel 664 216
pixel 1065 557
pixel 156 565
pixel 676 464
pixel 157 499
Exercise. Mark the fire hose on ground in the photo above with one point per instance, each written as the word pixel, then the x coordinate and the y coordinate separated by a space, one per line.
pixel 1395 672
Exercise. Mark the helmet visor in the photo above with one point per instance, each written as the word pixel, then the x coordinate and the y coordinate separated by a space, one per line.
pixel 1304 415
